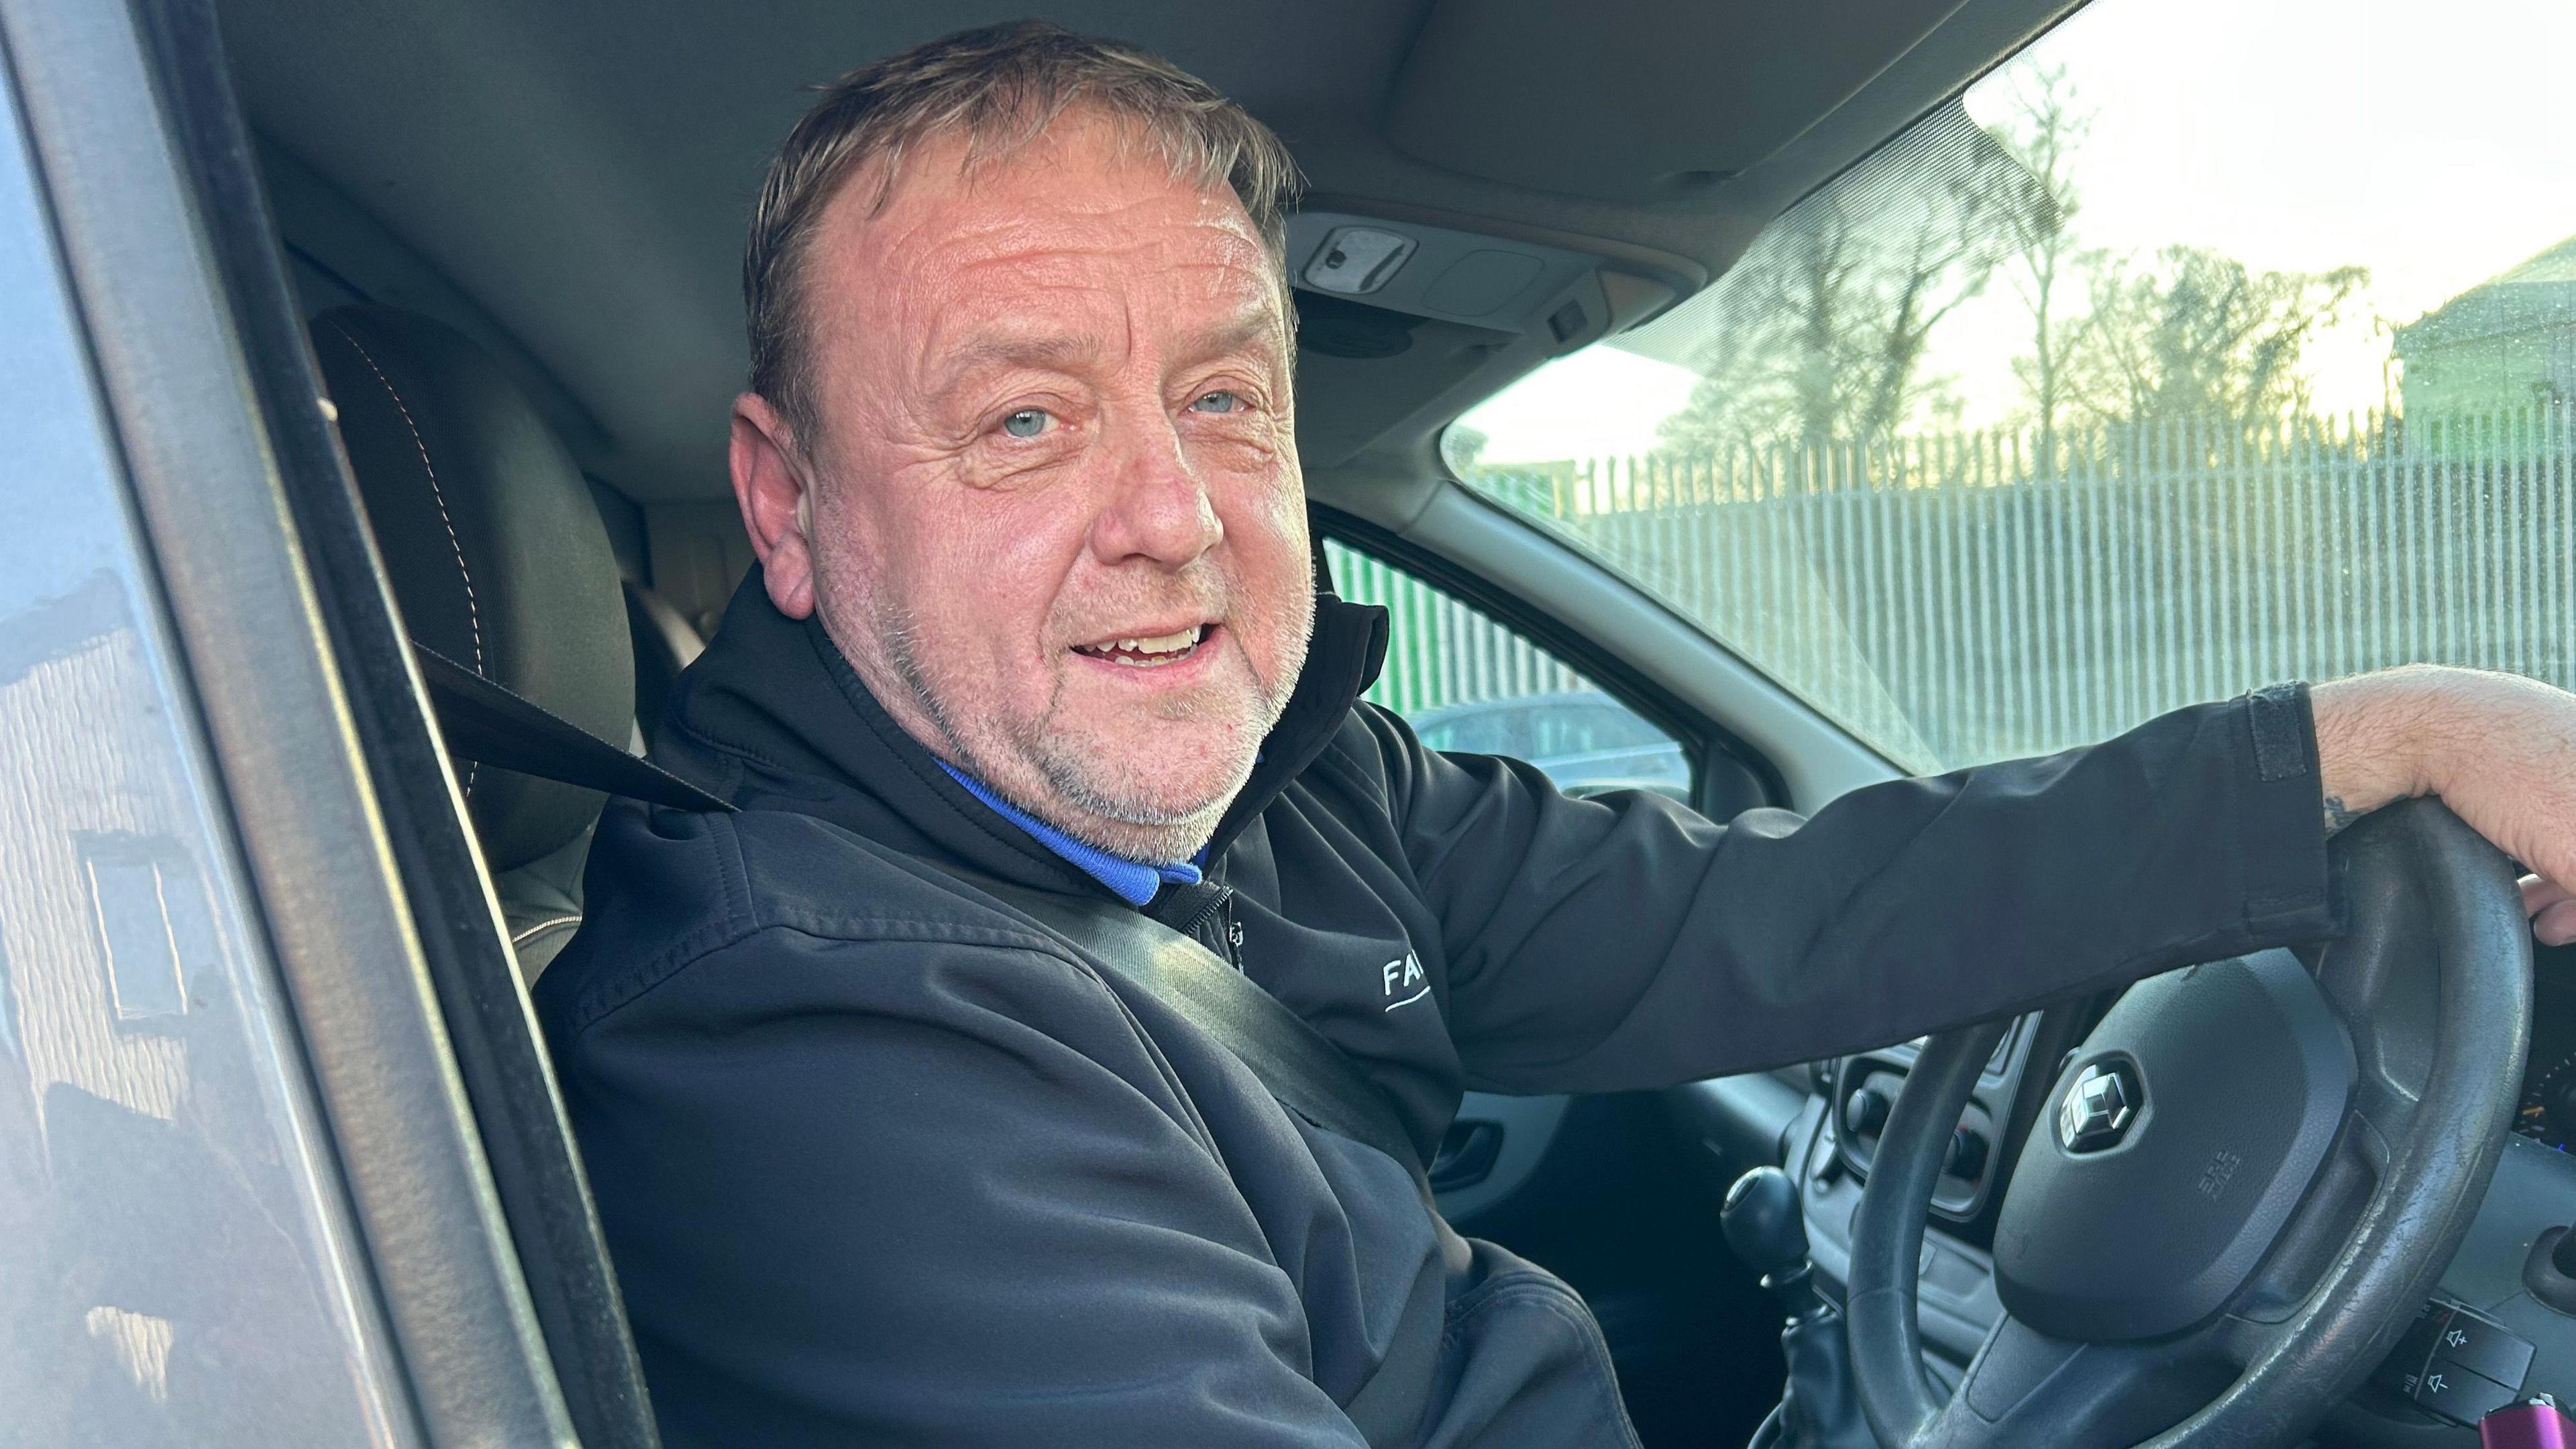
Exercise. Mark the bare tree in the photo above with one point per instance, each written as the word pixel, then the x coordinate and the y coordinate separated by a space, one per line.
pixel 2199 336
pixel 2043 129
pixel 1819 333
pixel 1945 247
pixel 1778 357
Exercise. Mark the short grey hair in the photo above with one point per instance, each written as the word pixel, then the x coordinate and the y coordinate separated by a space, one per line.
pixel 998 87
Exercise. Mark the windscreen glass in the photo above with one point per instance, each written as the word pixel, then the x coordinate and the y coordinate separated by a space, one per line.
pixel 2196 347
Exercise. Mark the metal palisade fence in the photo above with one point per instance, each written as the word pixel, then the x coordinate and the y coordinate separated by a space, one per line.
pixel 1440 651
pixel 1951 600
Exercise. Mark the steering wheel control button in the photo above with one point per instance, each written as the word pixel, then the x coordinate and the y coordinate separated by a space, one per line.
pixel 2098 1107
pixel 1966 1158
pixel 2460 1395
pixel 2485 1349
pixel 1864 1112
pixel 2234 1077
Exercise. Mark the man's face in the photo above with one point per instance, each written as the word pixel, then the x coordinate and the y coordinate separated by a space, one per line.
pixel 1056 521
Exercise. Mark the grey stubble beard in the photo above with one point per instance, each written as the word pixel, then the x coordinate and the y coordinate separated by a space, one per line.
pixel 1149 832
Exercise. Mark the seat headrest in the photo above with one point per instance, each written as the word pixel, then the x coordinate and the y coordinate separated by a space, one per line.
pixel 493 545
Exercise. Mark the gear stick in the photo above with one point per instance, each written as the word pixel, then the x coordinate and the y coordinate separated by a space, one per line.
pixel 1765 1224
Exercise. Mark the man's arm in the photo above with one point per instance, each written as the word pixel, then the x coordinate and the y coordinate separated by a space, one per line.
pixel 1634 945
pixel 1596 946
pixel 856 1197
pixel 2499 750
pixel 1626 943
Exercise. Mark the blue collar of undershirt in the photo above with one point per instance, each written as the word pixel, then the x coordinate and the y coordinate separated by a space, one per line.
pixel 1132 881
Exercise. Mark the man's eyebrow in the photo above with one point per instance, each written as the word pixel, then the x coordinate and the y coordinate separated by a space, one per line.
pixel 1048 351
pixel 1238 334
pixel 1257 329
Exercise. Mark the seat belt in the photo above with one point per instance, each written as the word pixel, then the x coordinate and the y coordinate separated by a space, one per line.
pixel 482 721
pixel 1306 1073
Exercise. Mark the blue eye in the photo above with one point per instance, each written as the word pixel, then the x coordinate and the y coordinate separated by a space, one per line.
pixel 1219 402
pixel 1026 423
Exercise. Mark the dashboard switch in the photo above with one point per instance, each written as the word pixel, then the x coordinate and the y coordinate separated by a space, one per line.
pixel 2453 1362
pixel 2460 1395
pixel 1864 1112
pixel 2486 1349
pixel 1967 1155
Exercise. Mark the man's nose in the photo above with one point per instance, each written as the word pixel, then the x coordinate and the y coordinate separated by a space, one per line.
pixel 1158 508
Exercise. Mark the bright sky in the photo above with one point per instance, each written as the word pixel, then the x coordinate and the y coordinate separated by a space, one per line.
pixel 2429 142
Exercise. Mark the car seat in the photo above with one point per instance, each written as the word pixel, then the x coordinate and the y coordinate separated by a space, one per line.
pixel 500 564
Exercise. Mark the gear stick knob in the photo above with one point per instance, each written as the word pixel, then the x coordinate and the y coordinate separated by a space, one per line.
pixel 1763 1222
pixel 1767 1228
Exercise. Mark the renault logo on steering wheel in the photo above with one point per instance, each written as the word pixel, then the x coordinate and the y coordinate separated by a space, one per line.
pixel 2098 1107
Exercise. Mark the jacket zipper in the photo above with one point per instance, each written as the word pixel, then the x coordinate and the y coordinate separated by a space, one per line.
pixel 1215 927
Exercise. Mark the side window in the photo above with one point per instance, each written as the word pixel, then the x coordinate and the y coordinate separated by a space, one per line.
pixel 1472 685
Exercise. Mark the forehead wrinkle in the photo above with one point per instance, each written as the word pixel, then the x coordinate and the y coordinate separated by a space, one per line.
pixel 1102 320
pixel 1047 350
pixel 952 260
pixel 1047 251
pixel 966 254
pixel 979 219
pixel 1256 322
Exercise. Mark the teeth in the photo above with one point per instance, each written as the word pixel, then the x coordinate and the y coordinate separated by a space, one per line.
pixel 1144 652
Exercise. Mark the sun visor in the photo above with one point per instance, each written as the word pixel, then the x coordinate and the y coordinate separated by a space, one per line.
pixel 1396 316
pixel 1635 100
pixel 1417 271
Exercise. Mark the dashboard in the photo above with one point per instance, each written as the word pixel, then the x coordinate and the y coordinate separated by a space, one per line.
pixel 2548 1113
pixel 1820 1123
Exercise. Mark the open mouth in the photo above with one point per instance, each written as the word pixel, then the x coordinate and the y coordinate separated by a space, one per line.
pixel 1149 652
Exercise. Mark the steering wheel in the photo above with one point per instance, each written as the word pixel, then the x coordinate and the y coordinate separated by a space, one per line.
pixel 2245 1183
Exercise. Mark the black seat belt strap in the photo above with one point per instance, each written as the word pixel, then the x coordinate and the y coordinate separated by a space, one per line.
pixel 482 721
pixel 1307 1073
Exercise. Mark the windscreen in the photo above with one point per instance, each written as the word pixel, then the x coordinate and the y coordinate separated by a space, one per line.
pixel 2198 346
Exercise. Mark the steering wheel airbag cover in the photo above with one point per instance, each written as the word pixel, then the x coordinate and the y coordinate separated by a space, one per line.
pixel 2245 1074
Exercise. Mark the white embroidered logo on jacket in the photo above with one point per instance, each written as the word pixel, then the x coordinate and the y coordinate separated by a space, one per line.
pixel 1404 975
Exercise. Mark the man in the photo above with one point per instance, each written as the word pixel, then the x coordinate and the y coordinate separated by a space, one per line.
pixel 883 1160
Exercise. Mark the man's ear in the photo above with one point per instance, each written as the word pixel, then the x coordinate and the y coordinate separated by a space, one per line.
pixel 772 487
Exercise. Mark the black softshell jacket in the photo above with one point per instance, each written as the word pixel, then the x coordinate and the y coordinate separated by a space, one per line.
pixel 881 1161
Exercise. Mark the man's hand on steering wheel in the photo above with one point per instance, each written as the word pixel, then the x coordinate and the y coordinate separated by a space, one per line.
pixel 2498 749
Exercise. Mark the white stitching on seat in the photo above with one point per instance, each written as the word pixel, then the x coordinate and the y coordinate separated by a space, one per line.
pixel 473 612
pixel 522 938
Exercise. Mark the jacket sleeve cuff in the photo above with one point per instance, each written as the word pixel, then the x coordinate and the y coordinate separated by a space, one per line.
pixel 2281 824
